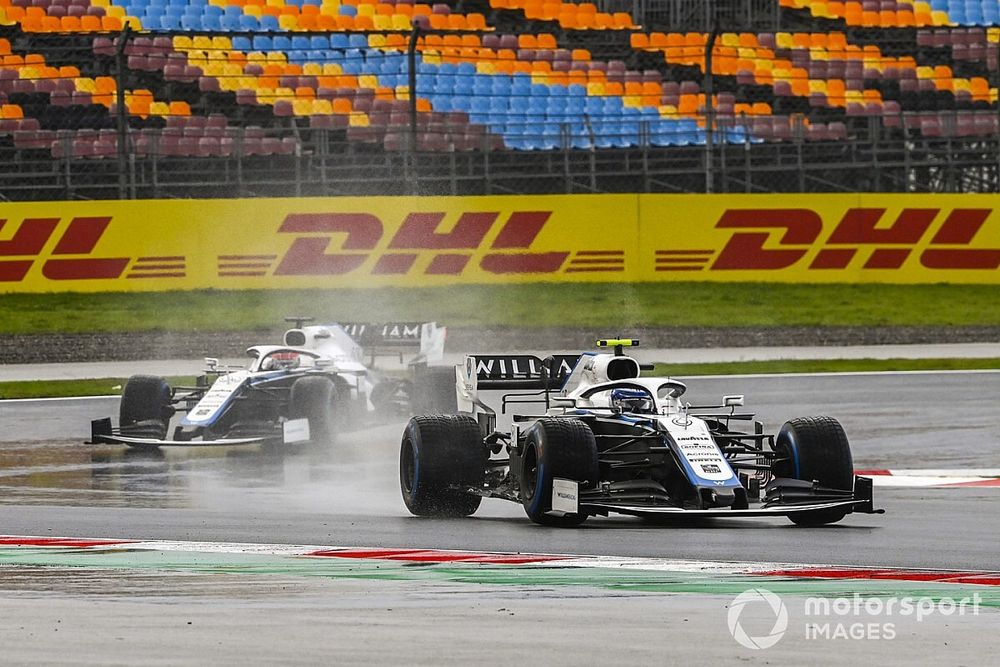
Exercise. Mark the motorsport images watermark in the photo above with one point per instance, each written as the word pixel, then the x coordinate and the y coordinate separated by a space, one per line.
pixel 855 617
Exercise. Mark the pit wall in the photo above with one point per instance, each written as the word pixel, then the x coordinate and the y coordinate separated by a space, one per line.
pixel 426 241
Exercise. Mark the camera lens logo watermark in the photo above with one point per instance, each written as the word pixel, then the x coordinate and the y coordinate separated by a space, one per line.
pixel 837 618
pixel 757 597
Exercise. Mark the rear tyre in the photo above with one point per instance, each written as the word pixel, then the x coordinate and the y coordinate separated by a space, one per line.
pixel 439 456
pixel 315 398
pixel 145 409
pixel 563 448
pixel 816 450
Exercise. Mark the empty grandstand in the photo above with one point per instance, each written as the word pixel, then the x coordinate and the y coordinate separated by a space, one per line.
pixel 178 98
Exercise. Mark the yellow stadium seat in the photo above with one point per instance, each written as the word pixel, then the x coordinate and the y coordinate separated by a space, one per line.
pixel 159 109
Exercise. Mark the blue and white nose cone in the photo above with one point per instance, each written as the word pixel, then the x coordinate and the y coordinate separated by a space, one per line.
pixel 706 467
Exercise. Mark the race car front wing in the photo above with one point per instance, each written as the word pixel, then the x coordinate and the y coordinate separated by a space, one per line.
pixel 784 498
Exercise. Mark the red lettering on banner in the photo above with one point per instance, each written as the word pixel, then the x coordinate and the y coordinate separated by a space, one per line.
pixel 858 226
pixel 960 228
pixel 419 231
pixel 30 237
pixel 396 263
pixel 307 256
pixel 520 231
pixel 80 238
pixel 84 269
pixel 745 250
pixel 448 265
pixel 14 271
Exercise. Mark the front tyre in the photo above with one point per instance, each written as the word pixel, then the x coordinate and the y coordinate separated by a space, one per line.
pixel 816 450
pixel 145 408
pixel 315 398
pixel 440 456
pixel 563 448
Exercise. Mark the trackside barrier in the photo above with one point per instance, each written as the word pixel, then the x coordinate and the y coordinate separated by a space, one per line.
pixel 424 241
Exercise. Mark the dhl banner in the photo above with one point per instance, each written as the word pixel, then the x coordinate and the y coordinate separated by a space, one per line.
pixel 426 241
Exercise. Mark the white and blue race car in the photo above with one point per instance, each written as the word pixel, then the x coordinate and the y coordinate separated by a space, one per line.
pixel 597 437
pixel 319 381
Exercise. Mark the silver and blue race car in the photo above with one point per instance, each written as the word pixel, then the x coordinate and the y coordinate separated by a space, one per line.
pixel 320 380
pixel 571 436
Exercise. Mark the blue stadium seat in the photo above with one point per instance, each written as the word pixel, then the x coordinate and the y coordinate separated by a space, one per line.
pixel 357 41
pixel 281 43
pixel 242 43
pixel 211 23
pixel 249 23
pixel 260 42
pixel 348 10
pixel 300 42
pixel 501 85
pixel 338 40
pixel 319 42
pixel 443 87
pixel 229 23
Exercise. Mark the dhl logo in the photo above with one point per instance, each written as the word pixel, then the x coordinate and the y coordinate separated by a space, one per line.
pixel 329 244
pixel 777 239
pixel 70 258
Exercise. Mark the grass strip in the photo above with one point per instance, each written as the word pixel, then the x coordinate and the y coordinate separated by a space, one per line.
pixel 617 306
pixel 73 388
pixel 823 366
pixel 110 386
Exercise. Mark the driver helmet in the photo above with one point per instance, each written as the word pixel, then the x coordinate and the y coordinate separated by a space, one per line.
pixel 281 361
pixel 632 400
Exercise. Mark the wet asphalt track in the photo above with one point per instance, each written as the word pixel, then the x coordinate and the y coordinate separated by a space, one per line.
pixel 52 484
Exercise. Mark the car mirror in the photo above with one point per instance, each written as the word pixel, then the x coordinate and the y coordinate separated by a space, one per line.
pixel 733 400
pixel 562 402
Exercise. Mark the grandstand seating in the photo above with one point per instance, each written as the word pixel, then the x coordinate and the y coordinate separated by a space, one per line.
pixel 216 78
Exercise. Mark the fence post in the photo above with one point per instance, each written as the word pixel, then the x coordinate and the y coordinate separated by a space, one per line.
pixel 411 153
pixel 121 116
pixel 709 107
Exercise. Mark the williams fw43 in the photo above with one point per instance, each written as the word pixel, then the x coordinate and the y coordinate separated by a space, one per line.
pixel 591 436
pixel 320 380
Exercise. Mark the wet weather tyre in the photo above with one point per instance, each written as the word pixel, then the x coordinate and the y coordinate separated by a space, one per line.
pixel 438 457
pixel 145 409
pixel 563 448
pixel 816 449
pixel 315 398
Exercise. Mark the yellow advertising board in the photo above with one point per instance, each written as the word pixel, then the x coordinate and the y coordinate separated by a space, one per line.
pixel 425 241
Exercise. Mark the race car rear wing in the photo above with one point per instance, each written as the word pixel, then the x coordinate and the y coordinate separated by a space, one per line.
pixel 501 372
pixel 397 337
